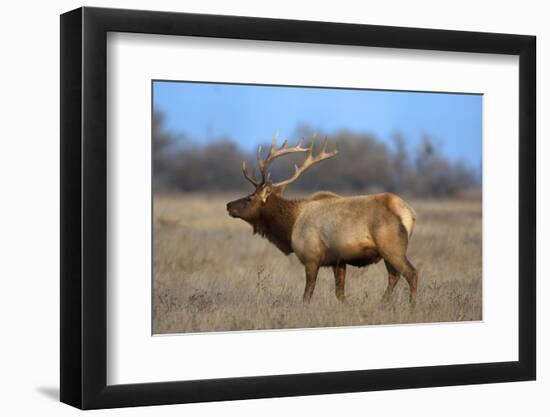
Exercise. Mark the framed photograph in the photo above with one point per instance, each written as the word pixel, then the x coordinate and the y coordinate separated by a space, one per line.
pixel 258 208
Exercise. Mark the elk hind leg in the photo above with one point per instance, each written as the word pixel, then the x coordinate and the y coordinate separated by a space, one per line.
pixel 312 268
pixel 393 248
pixel 340 281
pixel 393 277
pixel 405 268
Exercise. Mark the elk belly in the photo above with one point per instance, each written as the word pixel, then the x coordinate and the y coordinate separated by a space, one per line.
pixel 368 257
pixel 359 254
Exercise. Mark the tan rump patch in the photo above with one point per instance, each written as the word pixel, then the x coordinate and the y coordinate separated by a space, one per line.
pixel 405 212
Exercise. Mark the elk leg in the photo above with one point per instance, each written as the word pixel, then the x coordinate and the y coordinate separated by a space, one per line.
pixel 340 281
pixel 393 277
pixel 412 279
pixel 311 277
pixel 406 269
pixel 393 248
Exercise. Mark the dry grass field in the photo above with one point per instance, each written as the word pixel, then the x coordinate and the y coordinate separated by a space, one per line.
pixel 212 274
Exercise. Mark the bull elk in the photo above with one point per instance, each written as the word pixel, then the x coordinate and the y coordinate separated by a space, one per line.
pixel 327 230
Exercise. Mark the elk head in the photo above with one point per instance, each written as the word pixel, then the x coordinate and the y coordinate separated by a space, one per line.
pixel 249 207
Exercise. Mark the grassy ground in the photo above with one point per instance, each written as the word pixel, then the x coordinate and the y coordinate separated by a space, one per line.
pixel 212 274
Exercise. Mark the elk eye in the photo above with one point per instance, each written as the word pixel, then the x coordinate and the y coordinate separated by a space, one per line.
pixel 249 198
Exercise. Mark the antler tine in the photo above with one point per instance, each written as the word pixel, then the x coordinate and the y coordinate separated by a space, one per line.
pixel 311 146
pixel 273 144
pixel 275 138
pixel 324 149
pixel 275 153
pixel 261 163
pixel 308 162
pixel 259 156
pixel 252 178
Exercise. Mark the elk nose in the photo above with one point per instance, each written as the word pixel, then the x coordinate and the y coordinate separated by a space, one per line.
pixel 228 207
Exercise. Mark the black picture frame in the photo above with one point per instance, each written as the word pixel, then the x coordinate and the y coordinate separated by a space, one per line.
pixel 84 207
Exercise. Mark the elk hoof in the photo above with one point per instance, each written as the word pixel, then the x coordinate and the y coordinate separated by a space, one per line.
pixel 342 298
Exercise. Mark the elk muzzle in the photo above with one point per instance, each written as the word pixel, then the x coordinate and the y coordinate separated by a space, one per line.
pixel 231 209
pixel 238 208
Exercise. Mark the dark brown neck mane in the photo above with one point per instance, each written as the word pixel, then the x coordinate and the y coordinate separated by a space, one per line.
pixel 276 221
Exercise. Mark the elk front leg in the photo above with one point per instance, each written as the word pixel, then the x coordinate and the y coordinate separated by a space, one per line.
pixel 340 281
pixel 311 277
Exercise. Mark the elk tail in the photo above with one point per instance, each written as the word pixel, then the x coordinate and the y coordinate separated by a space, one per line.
pixel 406 214
pixel 408 218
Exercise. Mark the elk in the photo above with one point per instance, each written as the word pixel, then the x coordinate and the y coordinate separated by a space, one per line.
pixel 327 230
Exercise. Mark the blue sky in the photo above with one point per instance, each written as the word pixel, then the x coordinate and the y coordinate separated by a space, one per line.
pixel 251 114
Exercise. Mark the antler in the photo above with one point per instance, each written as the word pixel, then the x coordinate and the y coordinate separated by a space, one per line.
pixel 252 178
pixel 309 161
pixel 275 153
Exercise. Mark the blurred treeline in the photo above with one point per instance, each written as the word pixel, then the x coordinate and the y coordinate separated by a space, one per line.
pixel 363 164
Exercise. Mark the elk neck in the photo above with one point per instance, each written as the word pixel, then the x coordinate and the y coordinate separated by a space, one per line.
pixel 277 219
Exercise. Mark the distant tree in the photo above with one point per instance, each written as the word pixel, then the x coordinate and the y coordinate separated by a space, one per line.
pixel 364 164
pixel 215 166
pixel 162 143
pixel 401 165
pixel 436 175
